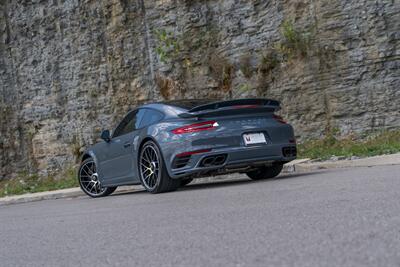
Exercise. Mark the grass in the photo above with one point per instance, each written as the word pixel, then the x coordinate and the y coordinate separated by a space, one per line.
pixel 387 142
pixel 25 183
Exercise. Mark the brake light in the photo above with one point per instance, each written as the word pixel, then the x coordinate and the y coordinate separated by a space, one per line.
pixel 279 119
pixel 196 127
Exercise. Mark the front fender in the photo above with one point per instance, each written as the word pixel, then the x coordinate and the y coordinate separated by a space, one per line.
pixel 90 154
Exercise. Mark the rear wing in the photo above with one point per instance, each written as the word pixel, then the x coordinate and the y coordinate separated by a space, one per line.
pixel 233 107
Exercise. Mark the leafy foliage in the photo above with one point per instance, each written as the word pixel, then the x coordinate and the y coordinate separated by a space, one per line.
pixel 167 45
pixel 296 43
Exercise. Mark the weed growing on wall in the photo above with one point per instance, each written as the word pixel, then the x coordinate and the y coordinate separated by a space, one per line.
pixel 296 42
pixel 167 45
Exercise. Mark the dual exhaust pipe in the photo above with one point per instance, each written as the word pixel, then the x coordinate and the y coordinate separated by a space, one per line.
pixel 289 152
pixel 214 160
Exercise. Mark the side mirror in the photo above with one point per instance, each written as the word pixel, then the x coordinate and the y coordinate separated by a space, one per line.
pixel 105 135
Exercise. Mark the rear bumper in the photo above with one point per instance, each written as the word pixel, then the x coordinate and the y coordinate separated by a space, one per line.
pixel 238 159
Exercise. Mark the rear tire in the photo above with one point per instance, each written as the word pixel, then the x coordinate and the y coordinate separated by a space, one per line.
pixel 265 172
pixel 152 170
pixel 89 182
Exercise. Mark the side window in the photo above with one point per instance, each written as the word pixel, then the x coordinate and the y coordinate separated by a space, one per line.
pixel 150 117
pixel 129 123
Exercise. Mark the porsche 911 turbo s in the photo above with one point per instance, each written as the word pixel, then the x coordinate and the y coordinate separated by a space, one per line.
pixel 166 145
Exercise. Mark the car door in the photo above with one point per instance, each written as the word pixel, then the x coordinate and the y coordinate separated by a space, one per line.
pixel 118 165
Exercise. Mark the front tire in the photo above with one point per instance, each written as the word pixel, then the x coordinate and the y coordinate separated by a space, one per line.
pixel 265 172
pixel 89 182
pixel 152 170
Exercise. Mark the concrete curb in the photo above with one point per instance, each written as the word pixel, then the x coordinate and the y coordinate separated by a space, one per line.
pixel 63 193
pixel 310 165
pixel 299 165
pixel 56 194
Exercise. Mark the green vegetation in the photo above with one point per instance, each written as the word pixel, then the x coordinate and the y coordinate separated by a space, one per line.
pixel 269 61
pixel 221 70
pixel 167 45
pixel 387 142
pixel 26 183
pixel 296 43
pixel 76 148
pixel 245 66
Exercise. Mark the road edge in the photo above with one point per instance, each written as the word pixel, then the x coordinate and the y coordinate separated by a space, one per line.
pixel 299 165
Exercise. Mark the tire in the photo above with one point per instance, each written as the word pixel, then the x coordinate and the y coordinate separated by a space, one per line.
pixel 186 181
pixel 265 172
pixel 88 180
pixel 152 171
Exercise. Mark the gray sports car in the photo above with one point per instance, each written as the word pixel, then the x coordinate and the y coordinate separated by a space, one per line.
pixel 167 144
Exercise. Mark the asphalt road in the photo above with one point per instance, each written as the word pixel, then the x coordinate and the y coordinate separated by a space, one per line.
pixel 347 217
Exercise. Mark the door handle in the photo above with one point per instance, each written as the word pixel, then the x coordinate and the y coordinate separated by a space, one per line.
pixel 127 144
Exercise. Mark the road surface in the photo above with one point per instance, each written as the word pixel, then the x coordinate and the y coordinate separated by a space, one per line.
pixel 343 217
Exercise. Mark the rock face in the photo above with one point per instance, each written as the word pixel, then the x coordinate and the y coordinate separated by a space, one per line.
pixel 69 68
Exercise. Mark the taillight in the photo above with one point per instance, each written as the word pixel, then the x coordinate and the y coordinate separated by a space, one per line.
pixel 279 119
pixel 196 127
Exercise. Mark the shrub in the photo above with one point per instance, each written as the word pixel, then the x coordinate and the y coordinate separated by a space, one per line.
pixel 167 45
pixel 221 70
pixel 269 61
pixel 295 43
pixel 245 66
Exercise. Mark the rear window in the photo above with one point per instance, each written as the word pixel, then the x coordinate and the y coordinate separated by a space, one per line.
pixel 189 104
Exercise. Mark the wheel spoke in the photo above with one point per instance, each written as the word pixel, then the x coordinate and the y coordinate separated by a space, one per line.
pixel 152 180
pixel 91 187
pixel 87 174
pixel 148 156
pixel 146 160
pixel 144 165
pixel 89 179
pixel 88 170
pixel 149 166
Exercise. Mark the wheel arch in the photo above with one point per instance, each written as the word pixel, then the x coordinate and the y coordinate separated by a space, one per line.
pixel 150 138
pixel 90 154
pixel 143 141
pixel 85 157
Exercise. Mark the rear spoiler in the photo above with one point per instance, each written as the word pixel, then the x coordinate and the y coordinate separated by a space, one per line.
pixel 233 107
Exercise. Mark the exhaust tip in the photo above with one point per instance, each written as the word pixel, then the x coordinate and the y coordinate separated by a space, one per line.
pixel 219 160
pixel 214 160
pixel 208 161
